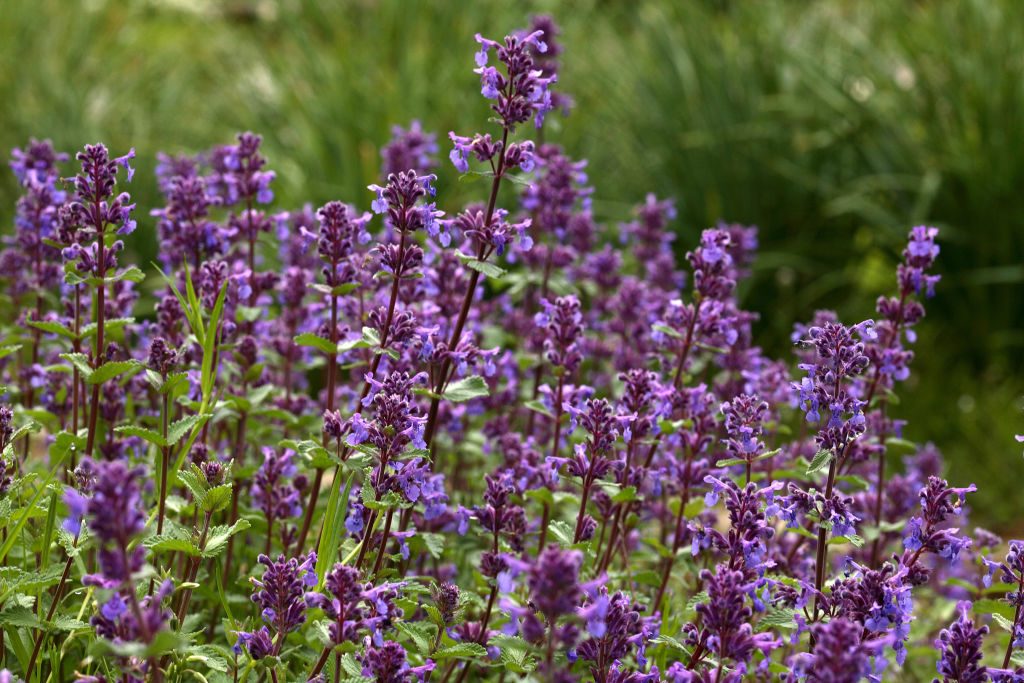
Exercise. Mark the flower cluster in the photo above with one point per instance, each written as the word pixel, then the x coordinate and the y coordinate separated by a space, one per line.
pixel 516 438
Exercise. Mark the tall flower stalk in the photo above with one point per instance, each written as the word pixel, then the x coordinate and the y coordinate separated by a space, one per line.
pixel 100 216
pixel 520 93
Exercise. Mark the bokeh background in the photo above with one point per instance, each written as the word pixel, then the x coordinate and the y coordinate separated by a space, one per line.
pixel 834 126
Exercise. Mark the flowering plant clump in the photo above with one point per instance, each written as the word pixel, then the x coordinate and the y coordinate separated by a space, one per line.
pixel 503 441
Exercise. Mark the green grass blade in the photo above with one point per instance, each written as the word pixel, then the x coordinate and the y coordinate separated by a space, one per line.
pixel 334 526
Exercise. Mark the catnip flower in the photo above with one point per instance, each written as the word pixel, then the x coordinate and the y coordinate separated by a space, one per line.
pixel 280 594
pixel 411 148
pixel 115 518
pixel 388 664
pixel 960 649
pixel 521 92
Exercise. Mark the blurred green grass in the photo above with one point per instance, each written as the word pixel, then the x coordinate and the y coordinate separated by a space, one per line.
pixel 834 126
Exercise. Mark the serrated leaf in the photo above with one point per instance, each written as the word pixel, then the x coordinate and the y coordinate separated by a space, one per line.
pixel 466 389
pixel 778 617
pixel 194 480
pixel 218 537
pixel 900 443
pixel 109 325
pixel 419 632
pixel 350 666
pixel 217 498
pixel 178 429
pixel 19 617
pixel 485 268
pixel 64 622
pixel 562 532
pixel 821 459
pixel 112 369
pixel 315 341
pixel 132 273
pixel 990 606
pixel 176 541
pixel 461 651
pixel 143 433
pixel 853 539
pixel 506 642
pixel 1004 623
pixel 665 329
pixel 482 267
pixel 538 407
pixel 626 495
pixel 670 642
pixel 52 327
pixel 434 543
pixel 8 349
pixel 80 361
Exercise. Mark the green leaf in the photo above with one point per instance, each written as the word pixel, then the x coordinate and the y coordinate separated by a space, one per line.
pixel 64 622
pixel 194 480
pixel 162 643
pixel 8 349
pixel 80 361
pixel 854 540
pixel 178 541
pixel 52 327
pixel 217 498
pixel 20 617
pixel 562 532
pixel 539 407
pixel 859 483
pixel 315 455
pixel 334 526
pixel 419 632
pixel 990 606
pixel 465 389
pixel 434 543
pixel 143 433
pixel 626 495
pixel 14 532
pixel 108 326
pixel 728 462
pixel 665 329
pixel 315 341
pixel 461 651
pixel 900 443
pixel 173 381
pixel 176 430
pixel 821 459
pixel 485 268
pixel 218 537
pixel 132 273
pixel 482 267
pixel 1004 623
pixel 112 369
pixel 671 643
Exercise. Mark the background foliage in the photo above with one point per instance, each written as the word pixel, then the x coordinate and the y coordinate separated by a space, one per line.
pixel 834 127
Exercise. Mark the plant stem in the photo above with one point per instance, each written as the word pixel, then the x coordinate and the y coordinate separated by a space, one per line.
pixel 483 631
pixel 193 570
pixel 1016 622
pixel 383 542
pixel 53 609
pixel 467 301
pixel 101 289
pixel 165 455
pixel 554 452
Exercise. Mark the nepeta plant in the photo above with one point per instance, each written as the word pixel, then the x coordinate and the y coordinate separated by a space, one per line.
pixel 502 441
